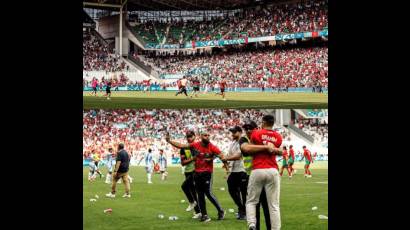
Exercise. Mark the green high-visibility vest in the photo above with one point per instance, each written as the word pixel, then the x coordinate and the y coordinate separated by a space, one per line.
pixel 247 161
pixel 191 166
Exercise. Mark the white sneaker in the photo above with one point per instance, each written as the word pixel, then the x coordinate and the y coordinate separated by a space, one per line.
pixel 126 195
pixel 197 216
pixel 149 182
pixel 306 175
pixel 310 176
pixel 110 195
pixel 191 207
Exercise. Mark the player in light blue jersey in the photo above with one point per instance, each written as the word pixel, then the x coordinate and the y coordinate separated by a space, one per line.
pixel 92 167
pixel 110 162
pixel 149 165
pixel 162 161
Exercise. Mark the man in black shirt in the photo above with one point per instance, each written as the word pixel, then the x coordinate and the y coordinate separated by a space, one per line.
pixel 121 172
pixel 108 90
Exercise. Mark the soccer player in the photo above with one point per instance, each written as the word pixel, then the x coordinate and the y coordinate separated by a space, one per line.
pixel 188 186
pixel 110 165
pixel 196 87
pixel 121 171
pixel 162 161
pixel 264 174
pixel 291 160
pixel 203 172
pixel 206 88
pixel 308 159
pixel 222 86
pixel 183 84
pixel 108 90
pixel 94 85
pixel 96 159
pixel 92 168
pixel 149 165
pixel 285 159
pixel 237 180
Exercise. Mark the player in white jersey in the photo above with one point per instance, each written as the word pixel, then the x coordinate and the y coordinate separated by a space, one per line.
pixel 149 165
pixel 162 161
pixel 91 173
pixel 206 88
pixel 110 162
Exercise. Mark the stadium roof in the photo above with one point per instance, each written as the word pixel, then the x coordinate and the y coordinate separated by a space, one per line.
pixel 164 5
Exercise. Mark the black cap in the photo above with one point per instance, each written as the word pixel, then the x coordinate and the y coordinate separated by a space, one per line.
pixel 250 125
pixel 235 129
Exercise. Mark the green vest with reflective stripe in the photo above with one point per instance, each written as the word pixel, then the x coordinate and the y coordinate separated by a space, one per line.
pixel 189 167
pixel 247 161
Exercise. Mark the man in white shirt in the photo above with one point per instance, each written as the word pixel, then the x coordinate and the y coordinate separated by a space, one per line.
pixel 237 180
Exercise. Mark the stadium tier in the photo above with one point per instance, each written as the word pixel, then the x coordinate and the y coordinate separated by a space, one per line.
pixel 98 55
pixel 267 20
pixel 294 64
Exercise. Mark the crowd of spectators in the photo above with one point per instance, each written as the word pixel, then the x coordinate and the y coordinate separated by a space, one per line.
pixel 143 129
pixel 99 56
pixel 269 67
pixel 316 128
pixel 267 20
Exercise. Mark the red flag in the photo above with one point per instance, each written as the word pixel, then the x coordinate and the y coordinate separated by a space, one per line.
pixel 315 34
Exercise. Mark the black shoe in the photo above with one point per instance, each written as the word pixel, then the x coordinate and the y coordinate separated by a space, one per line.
pixel 252 228
pixel 241 217
pixel 221 215
pixel 205 218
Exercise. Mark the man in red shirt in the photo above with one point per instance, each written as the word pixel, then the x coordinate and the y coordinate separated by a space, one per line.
pixel 265 174
pixel 308 159
pixel 222 86
pixel 204 157
pixel 285 159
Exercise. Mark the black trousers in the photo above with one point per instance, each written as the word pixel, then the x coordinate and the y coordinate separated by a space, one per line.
pixel 203 186
pixel 264 202
pixel 188 186
pixel 237 186
pixel 182 90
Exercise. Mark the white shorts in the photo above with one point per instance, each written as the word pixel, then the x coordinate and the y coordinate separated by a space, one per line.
pixel 92 166
pixel 110 165
pixel 149 169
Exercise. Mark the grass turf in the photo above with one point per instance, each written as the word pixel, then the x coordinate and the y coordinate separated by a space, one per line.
pixel 168 100
pixel 298 196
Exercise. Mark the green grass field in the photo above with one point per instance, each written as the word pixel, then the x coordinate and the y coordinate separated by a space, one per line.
pixel 168 100
pixel 298 196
